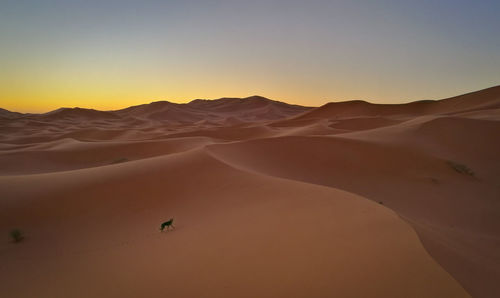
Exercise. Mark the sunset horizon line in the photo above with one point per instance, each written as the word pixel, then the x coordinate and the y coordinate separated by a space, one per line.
pixel 173 101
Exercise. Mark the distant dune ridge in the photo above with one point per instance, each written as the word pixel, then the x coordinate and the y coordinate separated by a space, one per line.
pixel 254 108
pixel 5 114
pixel 350 199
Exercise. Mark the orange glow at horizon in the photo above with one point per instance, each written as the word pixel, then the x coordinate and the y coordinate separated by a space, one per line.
pixel 113 54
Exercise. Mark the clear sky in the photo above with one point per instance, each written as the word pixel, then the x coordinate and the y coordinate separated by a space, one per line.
pixel 112 54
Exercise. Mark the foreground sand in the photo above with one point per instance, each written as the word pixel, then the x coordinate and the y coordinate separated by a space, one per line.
pixel 269 200
pixel 94 234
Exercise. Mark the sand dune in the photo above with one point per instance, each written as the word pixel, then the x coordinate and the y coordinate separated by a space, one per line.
pixel 143 122
pixel 453 212
pixel 349 199
pixel 475 101
pixel 76 114
pixel 6 114
pixel 251 109
pixel 69 154
pixel 471 141
pixel 238 235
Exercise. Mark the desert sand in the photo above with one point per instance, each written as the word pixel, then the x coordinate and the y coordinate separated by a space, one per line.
pixel 349 199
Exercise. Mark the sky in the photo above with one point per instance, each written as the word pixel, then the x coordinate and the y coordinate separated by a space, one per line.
pixel 117 53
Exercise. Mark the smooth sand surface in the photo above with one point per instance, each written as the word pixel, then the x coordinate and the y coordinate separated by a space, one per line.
pixel 270 200
pixel 95 234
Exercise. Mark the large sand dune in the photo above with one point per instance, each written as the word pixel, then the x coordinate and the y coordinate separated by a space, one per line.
pixel 270 200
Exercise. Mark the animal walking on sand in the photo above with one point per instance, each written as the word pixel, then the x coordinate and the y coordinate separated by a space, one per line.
pixel 167 224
